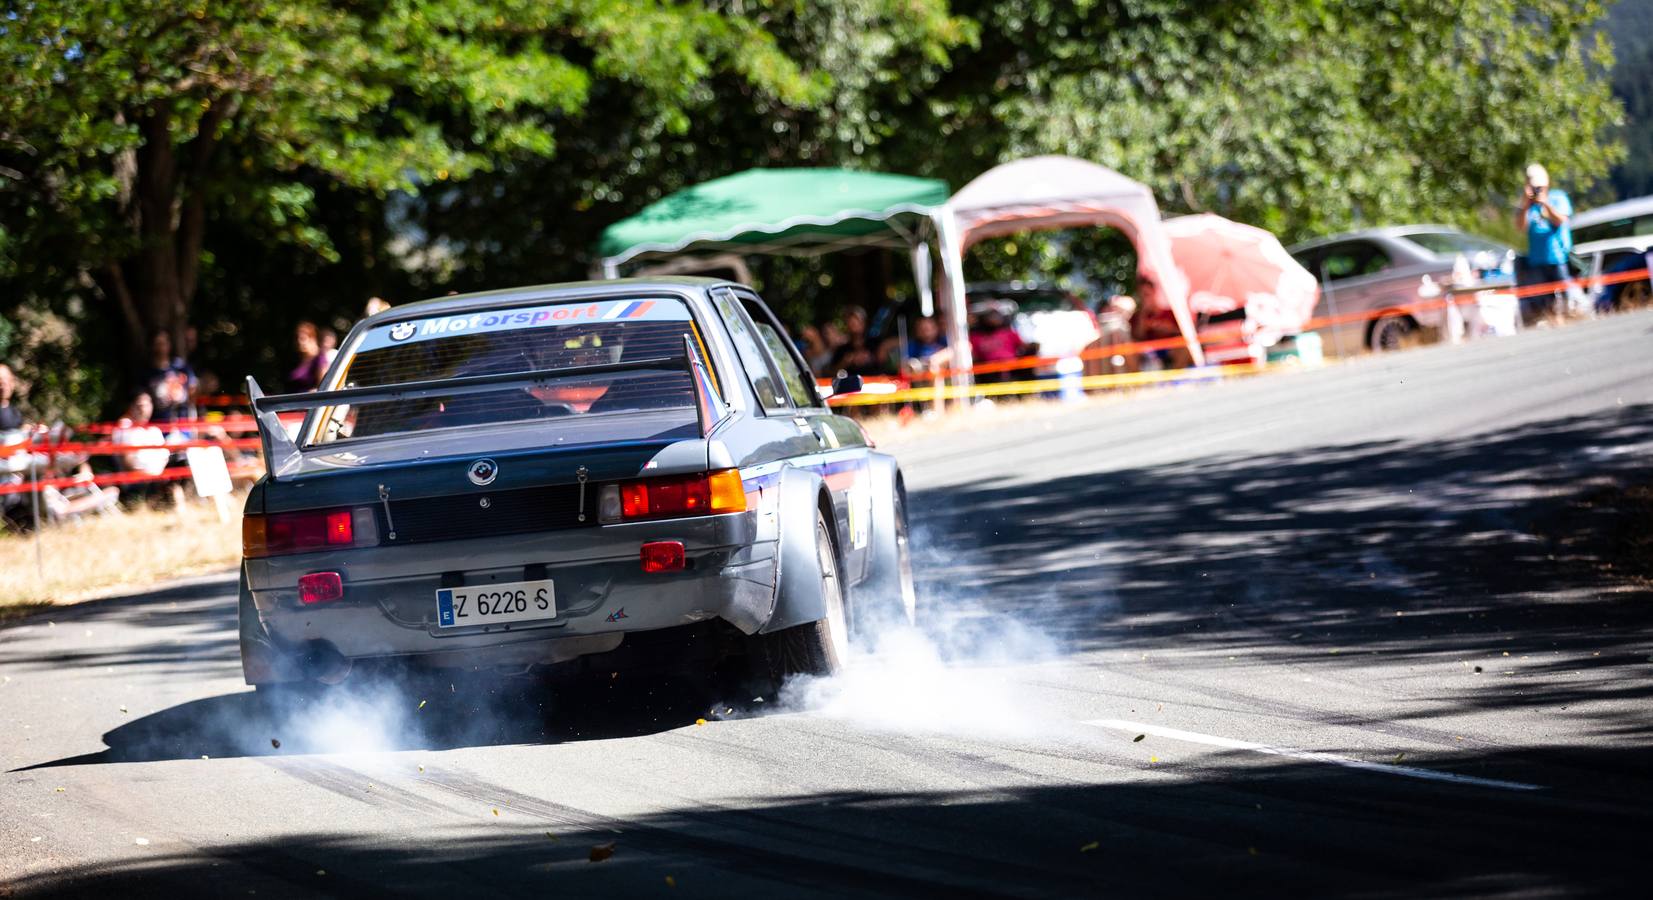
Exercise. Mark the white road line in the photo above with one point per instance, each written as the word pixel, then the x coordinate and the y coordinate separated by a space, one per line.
pixel 1212 740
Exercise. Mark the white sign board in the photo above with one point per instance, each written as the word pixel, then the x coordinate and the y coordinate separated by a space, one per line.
pixel 207 468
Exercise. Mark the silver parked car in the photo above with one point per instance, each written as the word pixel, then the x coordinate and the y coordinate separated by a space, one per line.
pixel 523 478
pixel 1372 277
pixel 1615 241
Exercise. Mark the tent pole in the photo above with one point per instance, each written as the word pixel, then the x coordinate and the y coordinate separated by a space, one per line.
pixel 953 299
pixel 923 277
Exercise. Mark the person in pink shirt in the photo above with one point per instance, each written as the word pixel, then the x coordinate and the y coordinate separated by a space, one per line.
pixel 992 340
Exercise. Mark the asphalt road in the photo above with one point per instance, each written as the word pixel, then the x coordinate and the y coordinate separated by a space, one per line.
pixel 1344 632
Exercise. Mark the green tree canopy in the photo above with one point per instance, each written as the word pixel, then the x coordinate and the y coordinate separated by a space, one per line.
pixel 127 125
pixel 239 164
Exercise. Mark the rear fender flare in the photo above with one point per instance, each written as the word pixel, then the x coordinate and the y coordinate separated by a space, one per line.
pixel 261 661
pixel 886 483
pixel 798 595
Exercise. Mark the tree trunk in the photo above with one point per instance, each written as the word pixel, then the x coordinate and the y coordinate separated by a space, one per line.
pixel 166 211
pixel 155 197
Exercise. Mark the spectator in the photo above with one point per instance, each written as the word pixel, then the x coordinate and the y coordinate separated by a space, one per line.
pixel 11 418
pixel 170 381
pixel 376 305
pixel 927 347
pixel 856 355
pixel 1113 320
pixel 1544 214
pixel 136 430
pixel 329 347
pixel 832 338
pixel 306 376
pixel 992 340
pixel 812 345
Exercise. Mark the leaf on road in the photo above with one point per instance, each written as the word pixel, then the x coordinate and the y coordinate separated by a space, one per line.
pixel 421 768
pixel 700 721
pixel 123 709
pixel 1153 759
pixel 602 851
pixel 496 810
pixel 276 743
pixel 671 882
pixel 60 790
pixel 142 842
pixel 1090 846
pixel 551 836
pixel 1252 851
pixel 421 704
pixel 1400 756
pixel 1477 670
pixel 321 871
pixel 1138 738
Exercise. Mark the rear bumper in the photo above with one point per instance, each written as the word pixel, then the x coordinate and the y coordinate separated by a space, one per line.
pixel 601 592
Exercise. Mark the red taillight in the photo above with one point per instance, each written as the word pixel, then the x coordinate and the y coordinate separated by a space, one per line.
pixel 320 587
pixel 684 495
pixel 662 556
pixel 303 532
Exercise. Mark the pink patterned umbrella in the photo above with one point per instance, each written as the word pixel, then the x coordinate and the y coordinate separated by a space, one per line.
pixel 1232 266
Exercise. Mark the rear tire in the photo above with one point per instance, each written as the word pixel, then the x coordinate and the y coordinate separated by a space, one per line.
pixel 1392 333
pixel 814 648
pixel 1635 295
pixel 888 596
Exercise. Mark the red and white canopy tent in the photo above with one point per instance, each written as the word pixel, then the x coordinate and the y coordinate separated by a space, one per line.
pixel 1044 193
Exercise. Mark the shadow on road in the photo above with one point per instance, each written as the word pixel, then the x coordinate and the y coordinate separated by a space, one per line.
pixel 406 711
pixel 1469 551
pixel 1280 829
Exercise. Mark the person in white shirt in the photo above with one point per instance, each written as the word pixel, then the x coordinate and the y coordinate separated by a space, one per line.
pixel 135 431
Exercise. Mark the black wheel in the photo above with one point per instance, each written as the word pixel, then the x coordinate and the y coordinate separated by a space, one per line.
pixel 1392 333
pixel 888 595
pixel 813 648
pixel 1635 295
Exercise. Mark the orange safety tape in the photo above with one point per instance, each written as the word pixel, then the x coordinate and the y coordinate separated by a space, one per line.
pixel 175 473
pixel 228 423
pixel 110 449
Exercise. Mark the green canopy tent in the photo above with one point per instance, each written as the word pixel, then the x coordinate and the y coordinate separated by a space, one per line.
pixel 791 212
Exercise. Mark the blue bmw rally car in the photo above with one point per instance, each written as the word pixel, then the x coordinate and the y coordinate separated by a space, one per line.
pixel 560 475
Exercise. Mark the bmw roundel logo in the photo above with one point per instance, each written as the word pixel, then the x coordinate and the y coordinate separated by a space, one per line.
pixel 401 331
pixel 483 471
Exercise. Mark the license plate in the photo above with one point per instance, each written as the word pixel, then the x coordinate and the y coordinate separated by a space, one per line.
pixel 492 604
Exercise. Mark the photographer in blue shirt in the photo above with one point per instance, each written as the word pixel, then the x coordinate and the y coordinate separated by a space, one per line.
pixel 1543 215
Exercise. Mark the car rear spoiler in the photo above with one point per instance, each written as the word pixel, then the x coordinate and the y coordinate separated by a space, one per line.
pixel 281 452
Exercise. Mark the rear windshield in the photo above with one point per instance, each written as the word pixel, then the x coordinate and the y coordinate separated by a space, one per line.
pixel 550 341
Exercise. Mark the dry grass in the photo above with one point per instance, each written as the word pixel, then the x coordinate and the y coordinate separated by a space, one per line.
pixel 111 554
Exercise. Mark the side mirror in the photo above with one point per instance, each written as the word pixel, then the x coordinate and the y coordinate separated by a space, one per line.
pixel 845 383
